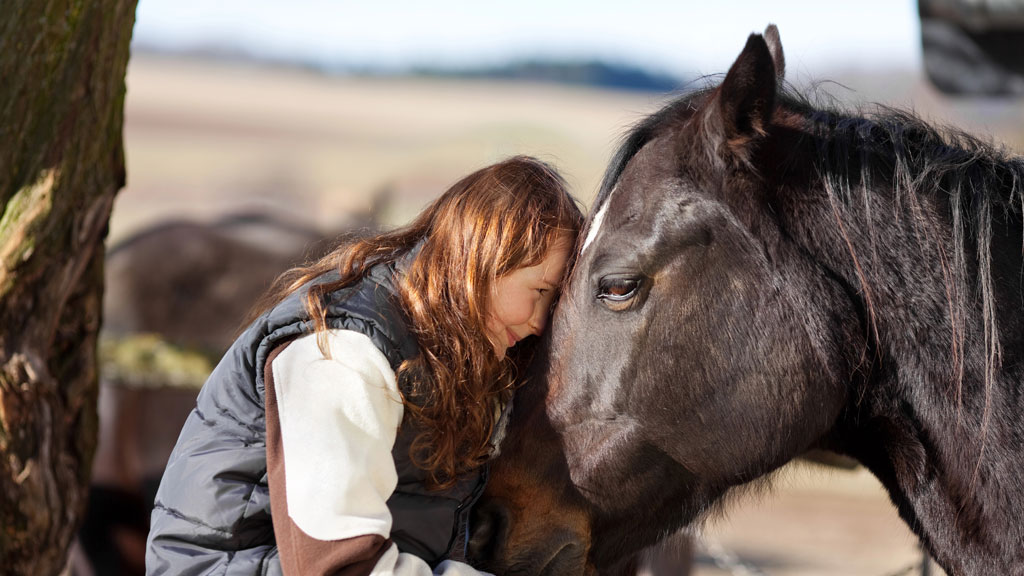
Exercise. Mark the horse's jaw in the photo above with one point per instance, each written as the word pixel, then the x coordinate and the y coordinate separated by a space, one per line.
pixel 590 446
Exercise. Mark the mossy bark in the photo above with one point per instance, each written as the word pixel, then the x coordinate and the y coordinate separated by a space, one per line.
pixel 62 69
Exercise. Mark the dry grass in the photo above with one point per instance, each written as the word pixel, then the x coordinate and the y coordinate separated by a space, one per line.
pixel 815 521
pixel 203 139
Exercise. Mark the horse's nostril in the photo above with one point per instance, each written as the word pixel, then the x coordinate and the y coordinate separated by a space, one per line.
pixel 488 523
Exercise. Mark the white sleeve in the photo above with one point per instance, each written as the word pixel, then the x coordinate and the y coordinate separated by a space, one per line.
pixel 395 563
pixel 339 418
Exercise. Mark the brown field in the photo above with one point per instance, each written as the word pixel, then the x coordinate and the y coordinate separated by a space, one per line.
pixel 204 139
pixel 208 139
pixel 814 521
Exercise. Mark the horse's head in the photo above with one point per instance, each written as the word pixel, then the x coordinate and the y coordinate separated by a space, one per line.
pixel 531 520
pixel 693 342
pixel 694 348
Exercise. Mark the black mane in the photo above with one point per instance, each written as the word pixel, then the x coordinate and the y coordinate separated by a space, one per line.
pixel 977 184
pixel 926 157
pixel 980 183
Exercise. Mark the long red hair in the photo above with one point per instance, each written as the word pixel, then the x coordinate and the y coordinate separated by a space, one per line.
pixel 495 220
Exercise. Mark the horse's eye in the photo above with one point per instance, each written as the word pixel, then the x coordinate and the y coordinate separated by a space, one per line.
pixel 618 288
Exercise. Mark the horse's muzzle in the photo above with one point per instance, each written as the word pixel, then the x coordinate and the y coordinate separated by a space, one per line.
pixel 539 549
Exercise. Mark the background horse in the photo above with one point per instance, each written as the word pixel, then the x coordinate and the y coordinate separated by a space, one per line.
pixel 759 277
pixel 176 294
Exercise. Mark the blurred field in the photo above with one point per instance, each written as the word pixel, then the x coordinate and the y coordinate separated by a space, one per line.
pixel 207 139
pixel 203 139
pixel 814 521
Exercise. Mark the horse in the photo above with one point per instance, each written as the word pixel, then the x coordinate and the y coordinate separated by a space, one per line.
pixel 762 275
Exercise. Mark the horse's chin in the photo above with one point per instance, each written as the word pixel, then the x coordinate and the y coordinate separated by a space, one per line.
pixel 566 558
pixel 569 559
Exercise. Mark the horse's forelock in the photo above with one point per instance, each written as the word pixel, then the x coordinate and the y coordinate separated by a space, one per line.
pixel 643 132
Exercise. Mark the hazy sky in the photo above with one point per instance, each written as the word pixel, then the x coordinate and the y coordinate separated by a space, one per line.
pixel 680 37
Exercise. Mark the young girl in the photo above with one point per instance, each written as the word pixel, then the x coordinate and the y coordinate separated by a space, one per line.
pixel 346 430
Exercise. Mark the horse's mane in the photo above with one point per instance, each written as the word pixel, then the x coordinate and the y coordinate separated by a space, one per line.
pixel 925 157
pixel 922 164
pixel 975 179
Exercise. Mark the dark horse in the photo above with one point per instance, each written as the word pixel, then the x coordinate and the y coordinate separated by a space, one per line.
pixel 761 277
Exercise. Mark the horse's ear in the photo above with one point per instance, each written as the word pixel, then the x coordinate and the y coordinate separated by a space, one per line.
pixel 746 98
pixel 771 37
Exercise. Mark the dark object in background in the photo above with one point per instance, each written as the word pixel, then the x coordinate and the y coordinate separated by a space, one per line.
pixel 974 47
pixel 176 294
pixel 113 533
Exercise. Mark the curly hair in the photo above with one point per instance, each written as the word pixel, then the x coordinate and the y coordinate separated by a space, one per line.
pixel 498 219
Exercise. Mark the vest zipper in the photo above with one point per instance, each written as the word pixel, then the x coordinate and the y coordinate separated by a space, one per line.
pixel 464 508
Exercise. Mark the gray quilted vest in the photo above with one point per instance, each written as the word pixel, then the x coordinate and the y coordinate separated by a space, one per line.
pixel 212 511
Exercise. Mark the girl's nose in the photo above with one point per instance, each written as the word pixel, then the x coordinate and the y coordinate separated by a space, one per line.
pixel 539 320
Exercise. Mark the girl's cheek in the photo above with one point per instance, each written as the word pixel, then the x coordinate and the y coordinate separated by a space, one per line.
pixel 525 309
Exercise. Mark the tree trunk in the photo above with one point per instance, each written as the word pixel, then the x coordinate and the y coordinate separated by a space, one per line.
pixel 62 69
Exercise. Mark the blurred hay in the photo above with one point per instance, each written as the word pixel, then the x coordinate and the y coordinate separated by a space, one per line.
pixel 149 361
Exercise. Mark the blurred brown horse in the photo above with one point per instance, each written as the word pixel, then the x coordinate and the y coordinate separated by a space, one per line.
pixel 176 294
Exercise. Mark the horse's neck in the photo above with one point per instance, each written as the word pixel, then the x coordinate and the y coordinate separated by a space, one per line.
pixel 953 468
pixel 949 395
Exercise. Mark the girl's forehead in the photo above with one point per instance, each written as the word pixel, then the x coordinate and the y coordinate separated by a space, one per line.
pixel 555 259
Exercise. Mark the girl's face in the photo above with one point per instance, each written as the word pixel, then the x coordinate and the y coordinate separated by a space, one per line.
pixel 521 300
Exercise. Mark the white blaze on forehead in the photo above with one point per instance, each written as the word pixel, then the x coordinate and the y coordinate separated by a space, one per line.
pixel 596 224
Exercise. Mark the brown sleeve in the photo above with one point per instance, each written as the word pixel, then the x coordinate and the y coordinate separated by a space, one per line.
pixel 301 554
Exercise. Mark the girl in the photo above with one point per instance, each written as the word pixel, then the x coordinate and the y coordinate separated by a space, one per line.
pixel 346 429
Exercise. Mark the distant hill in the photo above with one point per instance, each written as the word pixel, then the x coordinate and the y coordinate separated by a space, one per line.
pixel 594 73
pixel 590 73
